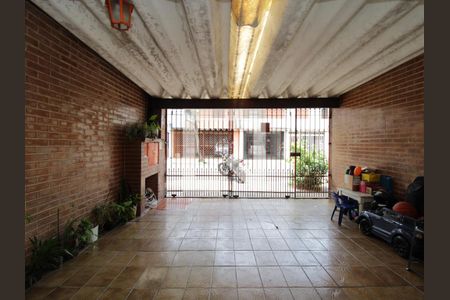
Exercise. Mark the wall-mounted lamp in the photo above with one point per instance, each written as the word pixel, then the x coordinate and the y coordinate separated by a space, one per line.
pixel 248 21
pixel 120 13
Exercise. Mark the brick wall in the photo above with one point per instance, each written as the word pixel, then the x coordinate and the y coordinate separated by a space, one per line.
pixel 76 107
pixel 381 125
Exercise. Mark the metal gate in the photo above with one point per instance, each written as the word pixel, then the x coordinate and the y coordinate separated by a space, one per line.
pixel 250 153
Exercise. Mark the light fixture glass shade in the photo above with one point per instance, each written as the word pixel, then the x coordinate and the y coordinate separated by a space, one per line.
pixel 248 12
pixel 245 42
pixel 120 13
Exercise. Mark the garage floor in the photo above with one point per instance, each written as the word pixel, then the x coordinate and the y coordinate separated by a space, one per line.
pixel 232 249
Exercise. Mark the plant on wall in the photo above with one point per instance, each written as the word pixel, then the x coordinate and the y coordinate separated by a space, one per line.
pixel 311 167
pixel 141 131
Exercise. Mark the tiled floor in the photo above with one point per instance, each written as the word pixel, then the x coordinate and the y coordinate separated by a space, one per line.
pixel 234 249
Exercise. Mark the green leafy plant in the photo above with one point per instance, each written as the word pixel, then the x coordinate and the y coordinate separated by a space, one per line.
pixel 153 126
pixel 104 216
pixel 45 256
pixel 149 129
pixel 77 235
pixel 126 210
pixel 84 233
pixel 311 167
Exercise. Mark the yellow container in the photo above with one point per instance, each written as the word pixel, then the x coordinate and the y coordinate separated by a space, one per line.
pixel 371 177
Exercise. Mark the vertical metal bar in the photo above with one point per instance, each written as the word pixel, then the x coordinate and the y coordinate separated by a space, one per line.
pixel 295 157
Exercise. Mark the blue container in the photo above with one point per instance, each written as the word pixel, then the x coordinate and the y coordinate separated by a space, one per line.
pixel 386 183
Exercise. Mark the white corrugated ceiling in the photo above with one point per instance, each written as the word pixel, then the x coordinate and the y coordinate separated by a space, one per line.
pixel 308 48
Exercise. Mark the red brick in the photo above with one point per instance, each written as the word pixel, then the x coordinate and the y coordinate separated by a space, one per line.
pixel 75 102
pixel 380 125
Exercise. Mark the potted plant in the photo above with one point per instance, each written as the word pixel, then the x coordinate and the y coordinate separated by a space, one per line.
pixel 94 231
pixel 45 256
pixel 77 235
pixel 84 233
pixel 126 209
pixel 141 131
pixel 104 216
pixel 153 127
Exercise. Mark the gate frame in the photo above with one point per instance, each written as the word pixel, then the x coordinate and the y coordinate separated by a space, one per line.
pixel 159 106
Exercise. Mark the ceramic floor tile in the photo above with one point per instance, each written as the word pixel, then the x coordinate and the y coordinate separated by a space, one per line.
pixel 326 258
pixel 242 244
pixel 168 244
pixel 57 277
pixel 345 276
pixel 248 277
pixel 265 258
pixel 388 277
pixel 224 233
pixel 171 253
pixel 198 233
pixel 196 294
pixel 114 294
pixel 81 277
pixel 245 258
pixel 256 233
pixel 224 258
pixel 176 277
pixel 194 258
pixel 241 234
pixel 295 277
pixel 122 259
pixel 285 258
pixel 224 294
pixel 148 293
pixel 277 294
pixel 334 294
pixel 224 244
pixel 169 294
pixel 319 277
pixel 288 233
pixel 260 244
pixel 105 276
pixel 152 259
pixel 295 244
pixel 277 244
pixel 305 258
pixel 200 277
pixel 62 293
pixel 272 277
pixel 198 244
pixel 151 277
pixel 313 244
pixel 88 293
pixel 224 277
pixel 305 294
pixel 250 293
pixel 396 293
pixel 272 233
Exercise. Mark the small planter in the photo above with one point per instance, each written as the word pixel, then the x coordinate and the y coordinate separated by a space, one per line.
pixel 94 234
